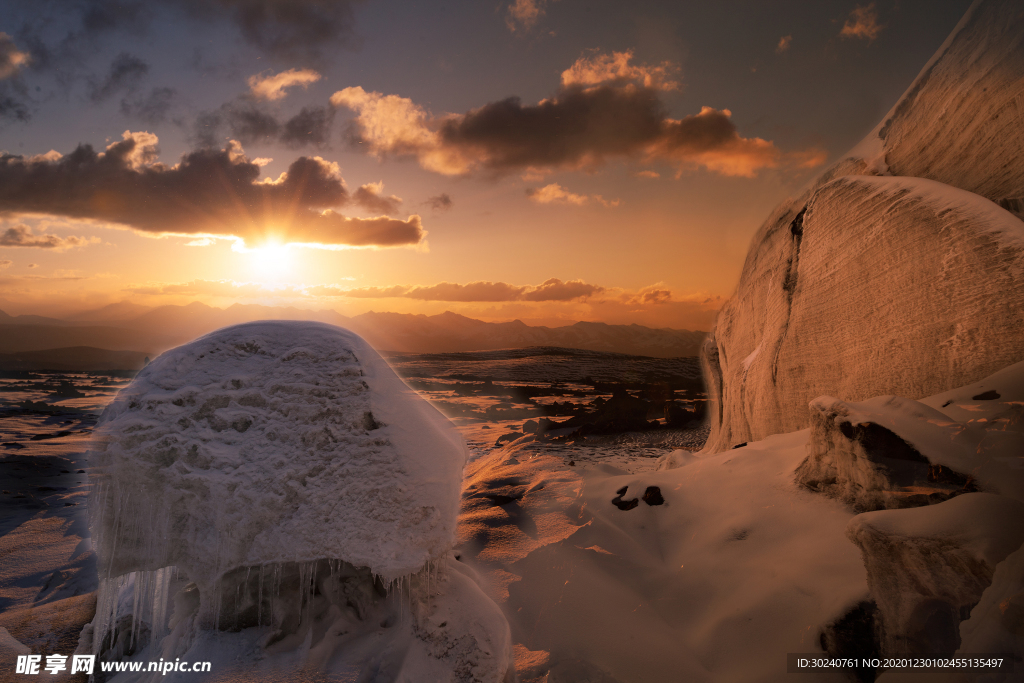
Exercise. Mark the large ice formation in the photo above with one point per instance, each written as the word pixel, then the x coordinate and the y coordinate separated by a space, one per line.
pixel 873 282
pixel 280 475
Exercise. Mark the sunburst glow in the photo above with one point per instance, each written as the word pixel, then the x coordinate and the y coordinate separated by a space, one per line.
pixel 270 262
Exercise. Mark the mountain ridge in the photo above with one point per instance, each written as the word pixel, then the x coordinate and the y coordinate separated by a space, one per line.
pixel 154 330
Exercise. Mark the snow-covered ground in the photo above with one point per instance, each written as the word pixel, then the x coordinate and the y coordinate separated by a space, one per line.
pixel 606 564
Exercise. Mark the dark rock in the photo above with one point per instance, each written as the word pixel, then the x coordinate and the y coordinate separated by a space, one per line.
pixel 506 438
pixel 41 437
pixel 855 636
pixel 740 445
pixel 624 504
pixel 989 395
pixel 870 467
pixel 652 496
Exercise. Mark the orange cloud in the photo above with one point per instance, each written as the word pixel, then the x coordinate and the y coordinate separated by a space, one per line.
pixel 11 58
pixel 523 15
pixel 598 69
pixel 550 290
pixel 784 43
pixel 272 86
pixel 862 23
pixel 556 194
pixel 371 197
pixel 710 139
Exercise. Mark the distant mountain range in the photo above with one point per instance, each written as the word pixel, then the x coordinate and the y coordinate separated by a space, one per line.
pixel 130 327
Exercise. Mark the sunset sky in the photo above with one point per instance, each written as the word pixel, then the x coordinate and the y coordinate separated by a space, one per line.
pixel 545 160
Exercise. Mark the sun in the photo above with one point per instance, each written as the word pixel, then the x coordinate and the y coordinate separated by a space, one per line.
pixel 270 262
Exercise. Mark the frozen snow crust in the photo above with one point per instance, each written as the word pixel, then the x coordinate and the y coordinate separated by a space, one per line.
pixel 270 442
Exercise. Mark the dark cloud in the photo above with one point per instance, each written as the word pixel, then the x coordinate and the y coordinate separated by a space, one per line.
pixel 556 290
pixel 13 107
pixel 21 235
pixel 311 126
pixel 287 29
pixel 151 108
pixel 62 35
pixel 441 202
pixel 210 191
pixel 126 73
pixel 248 122
pixel 581 126
pixel 551 290
pixel 240 120
pixel 371 197
pixel 100 16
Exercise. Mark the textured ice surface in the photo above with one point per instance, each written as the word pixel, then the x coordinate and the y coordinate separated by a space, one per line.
pixel 273 442
pixel 277 481
pixel 864 286
pixel 960 122
pixel 882 285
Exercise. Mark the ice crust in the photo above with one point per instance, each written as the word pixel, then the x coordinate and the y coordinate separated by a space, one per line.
pixel 274 441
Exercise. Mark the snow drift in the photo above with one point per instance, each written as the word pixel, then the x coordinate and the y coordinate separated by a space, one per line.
pixel 279 477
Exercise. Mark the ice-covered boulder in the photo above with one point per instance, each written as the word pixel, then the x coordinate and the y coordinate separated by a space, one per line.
pixel 960 121
pixel 886 452
pixel 270 442
pixel 927 567
pixel 881 285
pixel 278 477
pixel 891 452
pixel 896 271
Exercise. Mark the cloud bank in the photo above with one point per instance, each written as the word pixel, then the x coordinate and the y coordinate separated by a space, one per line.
pixel 21 235
pixel 606 108
pixel 208 192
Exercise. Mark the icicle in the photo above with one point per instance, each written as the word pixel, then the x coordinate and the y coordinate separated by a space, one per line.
pixel 259 603
pixel 160 599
